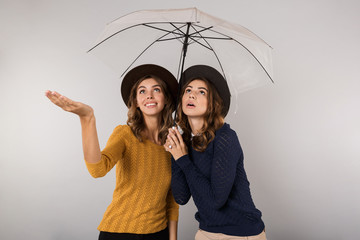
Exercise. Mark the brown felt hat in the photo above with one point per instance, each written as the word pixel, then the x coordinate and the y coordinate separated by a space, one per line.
pixel 213 76
pixel 146 70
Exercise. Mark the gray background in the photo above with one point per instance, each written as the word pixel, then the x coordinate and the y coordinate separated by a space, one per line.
pixel 300 136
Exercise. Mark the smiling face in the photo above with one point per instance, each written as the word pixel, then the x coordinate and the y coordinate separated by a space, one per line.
pixel 195 99
pixel 150 97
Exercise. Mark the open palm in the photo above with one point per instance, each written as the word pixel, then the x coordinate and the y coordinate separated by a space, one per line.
pixel 69 105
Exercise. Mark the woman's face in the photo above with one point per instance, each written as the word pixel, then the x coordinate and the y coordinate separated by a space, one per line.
pixel 195 99
pixel 150 97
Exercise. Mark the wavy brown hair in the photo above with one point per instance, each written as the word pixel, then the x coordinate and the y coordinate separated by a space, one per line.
pixel 213 119
pixel 136 118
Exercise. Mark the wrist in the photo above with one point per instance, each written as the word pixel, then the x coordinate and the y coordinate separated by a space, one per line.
pixel 88 118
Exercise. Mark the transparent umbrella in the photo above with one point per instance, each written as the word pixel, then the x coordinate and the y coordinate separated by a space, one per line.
pixel 179 38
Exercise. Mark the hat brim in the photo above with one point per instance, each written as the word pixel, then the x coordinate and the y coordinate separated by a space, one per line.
pixel 213 76
pixel 141 71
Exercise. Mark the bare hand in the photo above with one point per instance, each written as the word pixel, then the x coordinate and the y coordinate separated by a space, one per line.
pixel 175 144
pixel 81 109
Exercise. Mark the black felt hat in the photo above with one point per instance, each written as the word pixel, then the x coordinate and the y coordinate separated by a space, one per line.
pixel 148 70
pixel 213 76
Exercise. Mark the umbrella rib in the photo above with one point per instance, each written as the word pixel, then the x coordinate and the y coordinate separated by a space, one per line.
pixel 143 53
pixel 256 60
pixel 183 33
pixel 164 30
pixel 201 44
pixel 216 38
pixel 167 39
pixel 144 24
pixel 112 36
pixel 210 47
pixel 177 28
pixel 204 29
pixel 209 28
pixel 240 45
pixel 197 32
pixel 192 36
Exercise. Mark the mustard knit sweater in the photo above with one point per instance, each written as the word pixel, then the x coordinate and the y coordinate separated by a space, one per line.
pixel 142 201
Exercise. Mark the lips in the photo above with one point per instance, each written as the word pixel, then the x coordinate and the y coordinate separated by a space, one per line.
pixel 190 104
pixel 152 104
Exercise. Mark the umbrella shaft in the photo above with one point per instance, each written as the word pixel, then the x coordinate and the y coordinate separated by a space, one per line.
pixel 186 40
pixel 185 45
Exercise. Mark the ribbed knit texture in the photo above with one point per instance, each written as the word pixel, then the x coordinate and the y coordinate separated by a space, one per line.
pixel 142 201
pixel 217 181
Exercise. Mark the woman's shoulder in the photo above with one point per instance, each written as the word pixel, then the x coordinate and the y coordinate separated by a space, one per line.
pixel 122 130
pixel 227 137
pixel 225 134
pixel 225 130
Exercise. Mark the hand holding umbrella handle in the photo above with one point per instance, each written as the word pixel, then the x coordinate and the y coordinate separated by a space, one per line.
pixel 175 144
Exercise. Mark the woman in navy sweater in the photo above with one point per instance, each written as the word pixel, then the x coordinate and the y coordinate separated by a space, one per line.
pixel 207 160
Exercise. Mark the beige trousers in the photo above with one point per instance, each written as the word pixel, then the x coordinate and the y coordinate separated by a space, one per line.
pixel 203 235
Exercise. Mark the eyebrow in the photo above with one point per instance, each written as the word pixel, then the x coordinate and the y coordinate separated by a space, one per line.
pixel 189 86
pixel 203 88
pixel 153 86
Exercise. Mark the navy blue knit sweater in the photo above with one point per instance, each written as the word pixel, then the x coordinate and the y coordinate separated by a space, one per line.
pixel 217 181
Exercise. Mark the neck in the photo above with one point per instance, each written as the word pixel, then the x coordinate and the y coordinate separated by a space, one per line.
pixel 151 131
pixel 196 124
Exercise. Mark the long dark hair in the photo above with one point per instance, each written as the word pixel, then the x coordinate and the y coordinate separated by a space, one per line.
pixel 136 118
pixel 213 119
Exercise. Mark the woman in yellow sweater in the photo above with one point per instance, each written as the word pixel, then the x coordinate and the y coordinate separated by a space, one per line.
pixel 143 206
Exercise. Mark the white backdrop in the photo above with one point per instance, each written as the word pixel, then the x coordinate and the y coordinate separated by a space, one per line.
pixel 300 136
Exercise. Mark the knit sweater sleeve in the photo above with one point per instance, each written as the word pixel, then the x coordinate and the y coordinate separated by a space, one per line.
pixel 172 210
pixel 111 154
pixel 214 190
pixel 179 184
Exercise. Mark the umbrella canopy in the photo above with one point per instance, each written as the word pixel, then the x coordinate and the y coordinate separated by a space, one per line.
pixel 179 38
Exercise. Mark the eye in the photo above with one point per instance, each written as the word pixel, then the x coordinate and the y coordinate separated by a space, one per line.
pixel 202 92
pixel 157 90
pixel 141 91
pixel 188 90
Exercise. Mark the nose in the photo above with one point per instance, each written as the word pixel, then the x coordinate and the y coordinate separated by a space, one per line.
pixel 191 95
pixel 149 96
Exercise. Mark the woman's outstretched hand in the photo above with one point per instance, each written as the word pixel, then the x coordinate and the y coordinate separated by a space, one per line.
pixel 81 109
pixel 175 144
pixel 90 140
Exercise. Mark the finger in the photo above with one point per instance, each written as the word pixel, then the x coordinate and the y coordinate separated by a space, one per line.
pixel 171 135
pixel 168 146
pixel 167 143
pixel 174 139
pixel 171 141
pixel 54 98
pixel 177 133
pixel 47 93
pixel 62 101
pixel 179 136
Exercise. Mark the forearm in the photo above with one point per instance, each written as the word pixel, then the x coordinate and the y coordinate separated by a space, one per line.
pixel 179 185
pixel 202 188
pixel 173 225
pixel 90 141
